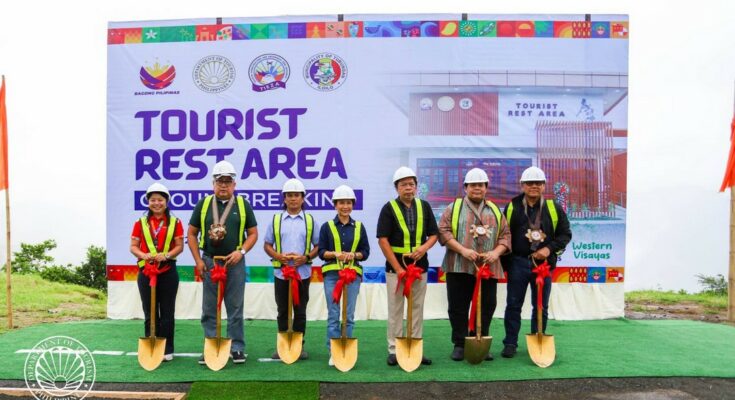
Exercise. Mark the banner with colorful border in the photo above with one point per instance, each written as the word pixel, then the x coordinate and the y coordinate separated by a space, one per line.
pixel 439 93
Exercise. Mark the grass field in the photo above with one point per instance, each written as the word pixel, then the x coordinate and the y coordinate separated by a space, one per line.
pixel 711 303
pixel 36 300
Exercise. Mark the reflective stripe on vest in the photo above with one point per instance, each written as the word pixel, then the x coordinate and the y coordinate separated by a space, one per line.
pixel 457 207
pixel 552 213
pixel 308 220
pixel 549 206
pixel 338 246
pixel 149 239
pixel 203 217
pixel 407 248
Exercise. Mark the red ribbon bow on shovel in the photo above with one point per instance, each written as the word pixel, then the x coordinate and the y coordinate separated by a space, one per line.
pixel 152 271
pixel 541 271
pixel 411 274
pixel 483 272
pixel 294 277
pixel 219 274
pixel 346 276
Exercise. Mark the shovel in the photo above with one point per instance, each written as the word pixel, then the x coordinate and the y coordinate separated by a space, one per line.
pixel 409 351
pixel 288 343
pixel 541 346
pixel 151 348
pixel 476 347
pixel 217 349
pixel 344 349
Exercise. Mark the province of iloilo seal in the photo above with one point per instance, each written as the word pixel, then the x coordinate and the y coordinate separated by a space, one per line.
pixel 325 71
pixel 59 367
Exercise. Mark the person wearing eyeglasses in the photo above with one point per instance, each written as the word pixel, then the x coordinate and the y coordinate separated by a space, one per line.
pixel 291 241
pixel 539 232
pixel 223 224
pixel 406 231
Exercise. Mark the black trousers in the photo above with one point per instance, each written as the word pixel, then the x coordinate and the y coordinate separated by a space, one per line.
pixel 460 287
pixel 166 289
pixel 299 320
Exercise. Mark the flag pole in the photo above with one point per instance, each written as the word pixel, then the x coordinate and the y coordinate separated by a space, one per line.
pixel 8 268
pixel 731 274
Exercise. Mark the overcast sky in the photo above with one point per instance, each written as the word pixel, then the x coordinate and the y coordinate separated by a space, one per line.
pixel 682 72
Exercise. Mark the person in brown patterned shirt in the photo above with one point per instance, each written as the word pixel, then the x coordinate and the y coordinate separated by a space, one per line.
pixel 474 232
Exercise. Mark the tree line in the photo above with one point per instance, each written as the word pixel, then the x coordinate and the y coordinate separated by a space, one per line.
pixel 34 259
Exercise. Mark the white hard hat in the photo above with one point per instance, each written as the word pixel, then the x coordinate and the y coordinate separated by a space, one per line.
pixel 343 192
pixel 476 175
pixel 223 168
pixel 533 174
pixel 403 172
pixel 293 185
pixel 157 188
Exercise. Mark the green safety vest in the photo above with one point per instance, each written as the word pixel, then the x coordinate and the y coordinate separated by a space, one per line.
pixel 457 207
pixel 407 248
pixel 308 219
pixel 338 246
pixel 149 239
pixel 203 216
pixel 549 206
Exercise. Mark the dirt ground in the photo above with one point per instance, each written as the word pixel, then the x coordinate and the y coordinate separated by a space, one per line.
pixel 692 311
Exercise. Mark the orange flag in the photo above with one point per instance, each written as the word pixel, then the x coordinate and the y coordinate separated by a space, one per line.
pixel 729 180
pixel 3 139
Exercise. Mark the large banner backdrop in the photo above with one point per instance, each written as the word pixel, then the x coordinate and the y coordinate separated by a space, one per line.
pixel 348 99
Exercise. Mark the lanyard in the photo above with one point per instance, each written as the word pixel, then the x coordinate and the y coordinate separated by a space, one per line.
pixel 215 212
pixel 537 223
pixel 534 234
pixel 155 232
pixel 476 213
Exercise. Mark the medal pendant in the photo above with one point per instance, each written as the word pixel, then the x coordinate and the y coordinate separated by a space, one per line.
pixel 481 230
pixel 535 235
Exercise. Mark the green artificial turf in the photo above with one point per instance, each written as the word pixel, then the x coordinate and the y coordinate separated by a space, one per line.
pixel 608 348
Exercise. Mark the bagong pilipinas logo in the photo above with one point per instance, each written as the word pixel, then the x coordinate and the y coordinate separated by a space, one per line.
pixel 157 76
pixel 59 367
pixel 325 72
pixel 214 74
pixel 269 72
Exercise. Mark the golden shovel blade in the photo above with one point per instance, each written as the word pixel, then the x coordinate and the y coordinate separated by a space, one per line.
pixel 409 352
pixel 216 352
pixel 476 348
pixel 344 353
pixel 541 348
pixel 288 345
pixel 150 352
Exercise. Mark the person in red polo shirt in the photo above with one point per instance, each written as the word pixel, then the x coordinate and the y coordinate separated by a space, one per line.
pixel 158 237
